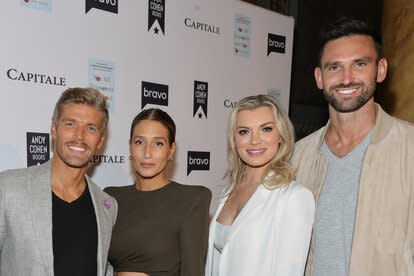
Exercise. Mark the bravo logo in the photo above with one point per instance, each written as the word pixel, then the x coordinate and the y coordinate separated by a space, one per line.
pixel 275 43
pixel 106 5
pixel 154 93
pixel 198 161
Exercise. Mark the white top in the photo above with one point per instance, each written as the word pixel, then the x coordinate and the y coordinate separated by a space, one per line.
pixel 222 232
pixel 269 237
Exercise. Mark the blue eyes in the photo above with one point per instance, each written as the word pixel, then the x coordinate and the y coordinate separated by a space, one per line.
pixel 246 131
pixel 90 128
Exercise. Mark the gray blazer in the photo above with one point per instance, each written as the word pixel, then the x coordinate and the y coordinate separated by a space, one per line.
pixel 26 246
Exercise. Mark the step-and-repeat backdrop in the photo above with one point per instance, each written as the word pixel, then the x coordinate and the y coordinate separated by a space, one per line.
pixel 192 58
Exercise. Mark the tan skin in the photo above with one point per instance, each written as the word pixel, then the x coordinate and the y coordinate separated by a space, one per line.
pixel 77 136
pixel 350 60
pixel 150 151
pixel 257 141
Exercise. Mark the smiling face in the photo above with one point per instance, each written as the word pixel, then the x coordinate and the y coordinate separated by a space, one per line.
pixel 349 72
pixel 77 135
pixel 256 137
pixel 150 149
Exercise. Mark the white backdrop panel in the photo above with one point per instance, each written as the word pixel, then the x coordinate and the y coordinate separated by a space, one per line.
pixel 61 42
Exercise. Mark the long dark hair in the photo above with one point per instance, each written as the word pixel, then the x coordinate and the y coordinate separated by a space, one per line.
pixel 158 115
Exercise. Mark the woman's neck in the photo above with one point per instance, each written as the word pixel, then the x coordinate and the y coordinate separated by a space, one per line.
pixel 150 184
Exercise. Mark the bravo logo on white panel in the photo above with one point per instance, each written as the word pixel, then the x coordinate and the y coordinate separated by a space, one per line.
pixel 275 43
pixel 198 161
pixel 154 93
pixel 156 16
pixel 37 148
pixel 200 99
pixel 105 5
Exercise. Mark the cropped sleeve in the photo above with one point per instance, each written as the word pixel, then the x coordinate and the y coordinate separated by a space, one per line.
pixel 194 235
pixel 295 230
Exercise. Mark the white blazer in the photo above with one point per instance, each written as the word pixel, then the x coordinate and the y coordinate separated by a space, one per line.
pixel 270 236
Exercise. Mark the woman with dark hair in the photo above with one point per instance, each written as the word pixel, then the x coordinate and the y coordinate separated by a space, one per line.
pixel 162 226
pixel 263 224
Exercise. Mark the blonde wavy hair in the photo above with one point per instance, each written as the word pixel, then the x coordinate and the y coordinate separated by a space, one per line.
pixel 284 172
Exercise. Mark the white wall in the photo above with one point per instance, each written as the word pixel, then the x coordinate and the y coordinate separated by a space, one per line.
pixel 58 39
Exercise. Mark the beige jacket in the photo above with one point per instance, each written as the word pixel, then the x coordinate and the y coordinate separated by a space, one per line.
pixel 383 239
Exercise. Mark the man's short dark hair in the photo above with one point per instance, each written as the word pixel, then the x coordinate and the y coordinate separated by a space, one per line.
pixel 347 26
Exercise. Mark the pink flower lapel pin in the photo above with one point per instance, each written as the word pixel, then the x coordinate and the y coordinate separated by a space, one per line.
pixel 107 203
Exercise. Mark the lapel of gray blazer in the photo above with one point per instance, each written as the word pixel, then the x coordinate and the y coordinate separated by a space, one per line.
pixel 258 199
pixel 40 194
pixel 103 222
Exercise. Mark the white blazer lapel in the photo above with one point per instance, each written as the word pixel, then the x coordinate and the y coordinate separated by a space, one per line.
pixel 40 194
pixel 257 199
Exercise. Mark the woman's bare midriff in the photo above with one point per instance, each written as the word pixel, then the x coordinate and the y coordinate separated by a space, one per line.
pixel 130 274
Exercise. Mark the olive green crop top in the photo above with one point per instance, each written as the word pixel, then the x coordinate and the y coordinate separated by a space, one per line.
pixel 161 232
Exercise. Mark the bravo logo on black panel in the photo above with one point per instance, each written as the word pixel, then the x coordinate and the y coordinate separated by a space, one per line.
pixel 156 16
pixel 38 148
pixel 198 161
pixel 105 5
pixel 200 99
pixel 275 43
pixel 154 93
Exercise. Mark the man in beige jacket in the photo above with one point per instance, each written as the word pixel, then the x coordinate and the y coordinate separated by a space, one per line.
pixel 359 166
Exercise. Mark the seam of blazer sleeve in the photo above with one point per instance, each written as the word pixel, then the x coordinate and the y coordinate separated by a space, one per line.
pixel 2 214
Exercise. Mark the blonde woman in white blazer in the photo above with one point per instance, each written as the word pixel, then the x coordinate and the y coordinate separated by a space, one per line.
pixel 263 223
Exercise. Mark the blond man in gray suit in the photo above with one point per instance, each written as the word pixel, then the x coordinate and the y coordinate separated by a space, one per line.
pixel 53 219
